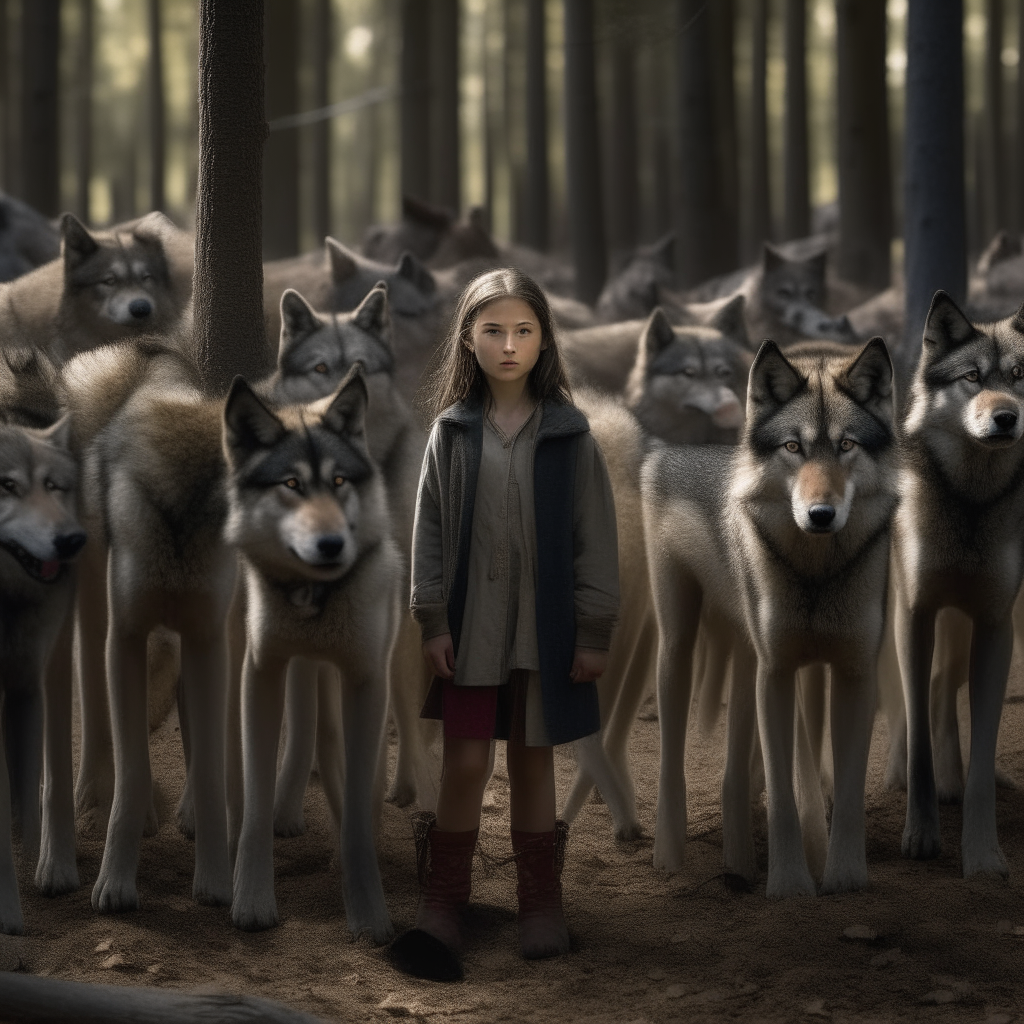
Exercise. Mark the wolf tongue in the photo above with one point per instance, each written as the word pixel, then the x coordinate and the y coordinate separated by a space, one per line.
pixel 49 569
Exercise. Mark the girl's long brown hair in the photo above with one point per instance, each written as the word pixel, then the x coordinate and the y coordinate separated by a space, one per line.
pixel 457 375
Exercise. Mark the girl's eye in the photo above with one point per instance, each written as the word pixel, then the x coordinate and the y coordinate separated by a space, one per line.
pixel 338 481
pixel 292 483
pixel 792 446
pixel 320 368
pixel 972 376
pixel 847 444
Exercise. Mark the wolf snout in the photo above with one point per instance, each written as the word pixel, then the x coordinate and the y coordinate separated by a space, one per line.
pixel 821 516
pixel 330 547
pixel 1005 420
pixel 68 545
pixel 140 308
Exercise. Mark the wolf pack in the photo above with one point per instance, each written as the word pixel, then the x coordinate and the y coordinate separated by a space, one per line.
pixel 799 542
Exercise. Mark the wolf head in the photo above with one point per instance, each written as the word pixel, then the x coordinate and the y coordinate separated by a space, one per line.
pixel 29 388
pixel 818 423
pixel 317 350
pixel 687 383
pixel 298 480
pixel 970 379
pixel 412 288
pixel 118 283
pixel 39 531
pixel 636 289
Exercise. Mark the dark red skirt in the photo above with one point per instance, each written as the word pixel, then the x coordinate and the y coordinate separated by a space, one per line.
pixel 479 712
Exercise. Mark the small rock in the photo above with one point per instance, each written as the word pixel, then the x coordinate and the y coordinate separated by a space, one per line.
pixel 657 974
pixel 890 956
pixel 104 947
pixel 154 968
pixel 860 933
pixel 816 1008
pixel 393 1004
pixel 938 998
pixel 675 991
pixel 1004 927
pixel 115 960
pixel 1018 929
pixel 350 979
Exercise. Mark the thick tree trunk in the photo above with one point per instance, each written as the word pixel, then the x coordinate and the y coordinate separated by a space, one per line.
pixel 281 153
pixel 865 192
pixel 156 110
pixel 535 219
pixel 83 111
pixel 995 176
pixel 514 104
pixel 1017 188
pixel 5 97
pixel 624 182
pixel 229 336
pixel 445 188
pixel 796 217
pixel 415 99
pixel 583 152
pixel 40 135
pixel 934 229
pixel 703 249
pixel 760 228
pixel 723 35
pixel 321 130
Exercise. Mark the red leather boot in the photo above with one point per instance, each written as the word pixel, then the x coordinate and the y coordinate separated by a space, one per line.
pixel 539 858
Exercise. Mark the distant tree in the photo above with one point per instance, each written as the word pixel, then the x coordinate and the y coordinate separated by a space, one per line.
pixel 760 225
pixel 623 172
pixel 865 192
pixel 583 152
pixel 536 213
pixel 229 336
pixel 83 110
pixel 514 113
pixel 40 135
pixel 157 200
pixel 445 189
pixel 1018 165
pixel 321 130
pixel 281 153
pixel 415 99
pixel 934 228
pixel 994 179
pixel 723 37
pixel 5 99
pixel 796 217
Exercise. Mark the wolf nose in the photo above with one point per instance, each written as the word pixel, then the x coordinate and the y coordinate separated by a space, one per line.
pixel 821 515
pixel 140 308
pixel 1005 420
pixel 330 547
pixel 69 544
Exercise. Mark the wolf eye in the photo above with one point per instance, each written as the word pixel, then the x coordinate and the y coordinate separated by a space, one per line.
pixel 320 368
pixel 292 483
pixel 972 376
pixel 689 371
pixel 8 485
pixel 1017 372
pixel 338 481
pixel 146 276
pixel 847 444
pixel 110 279
pixel 51 486
pixel 792 446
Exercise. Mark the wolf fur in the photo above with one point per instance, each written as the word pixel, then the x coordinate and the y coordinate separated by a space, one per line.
pixel 39 537
pixel 782 544
pixel 957 544
pixel 321 577
pixel 637 288
pixel 27 238
pixel 123 283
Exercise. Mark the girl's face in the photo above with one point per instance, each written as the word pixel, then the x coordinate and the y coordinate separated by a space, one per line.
pixel 507 341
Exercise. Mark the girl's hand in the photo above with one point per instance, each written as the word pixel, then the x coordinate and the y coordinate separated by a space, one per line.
pixel 588 664
pixel 440 655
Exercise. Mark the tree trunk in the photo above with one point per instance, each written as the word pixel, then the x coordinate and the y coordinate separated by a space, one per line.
pixel 321 130
pixel 415 99
pixel 515 114
pixel 934 229
pixel 40 135
pixel 281 153
pixel 995 177
pixel 229 336
pixel 156 110
pixel 760 229
pixel 445 188
pixel 865 192
pixel 5 97
pixel 624 185
pixel 796 216
pixel 723 33
pixel 535 220
pixel 583 152
pixel 83 111
pixel 702 247
pixel 1017 197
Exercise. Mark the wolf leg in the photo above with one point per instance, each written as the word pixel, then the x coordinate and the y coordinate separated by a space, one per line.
pixel 737 837
pixel 23 724
pixel 787 865
pixel 915 638
pixel 204 668
pixel 408 682
pixel 11 922
pixel 812 681
pixel 56 871
pixel 299 747
pixel 991 650
pixel 330 745
pixel 853 697
pixel 254 906
pixel 233 730
pixel 951 662
pixel 890 696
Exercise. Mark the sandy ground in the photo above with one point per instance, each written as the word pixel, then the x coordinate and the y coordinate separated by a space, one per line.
pixel 646 947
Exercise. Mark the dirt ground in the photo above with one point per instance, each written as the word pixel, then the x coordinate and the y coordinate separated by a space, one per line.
pixel 646 947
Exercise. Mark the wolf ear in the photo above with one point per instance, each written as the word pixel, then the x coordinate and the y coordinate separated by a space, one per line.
pixel 298 321
pixel 77 244
pixel 344 262
pixel 945 328
pixel 346 411
pixel 730 320
pixel 478 219
pixel 154 227
pixel 656 335
pixel 59 435
pixel 771 258
pixel 773 379
pixel 423 213
pixel 248 423
pixel 663 251
pixel 416 274
pixel 868 380
pixel 372 313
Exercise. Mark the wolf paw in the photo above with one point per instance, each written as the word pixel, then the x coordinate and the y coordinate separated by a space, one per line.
pixel 56 875
pixel 114 896
pixel 921 843
pixel 850 877
pixel 401 793
pixel 985 861
pixel 289 822
pixel 253 914
pixel 629 832
pixel 212 892
pixel 185 815
pixel 792 880
pixel 11 922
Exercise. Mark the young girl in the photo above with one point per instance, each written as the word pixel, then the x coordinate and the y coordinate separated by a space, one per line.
pixel 515 588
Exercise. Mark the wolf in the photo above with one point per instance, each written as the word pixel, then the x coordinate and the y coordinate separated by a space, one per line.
pixel 782 543
pixel 27 238
pixel 40 536
pixel 957 544
pixel 637 288
pixel 320 575
pixel 128 282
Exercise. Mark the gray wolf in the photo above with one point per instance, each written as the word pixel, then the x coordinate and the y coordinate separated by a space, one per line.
pixel 320 575
pixel 39 538
pixel 781 545
pixel 127 282
pixel 957 544
pixel 637 288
